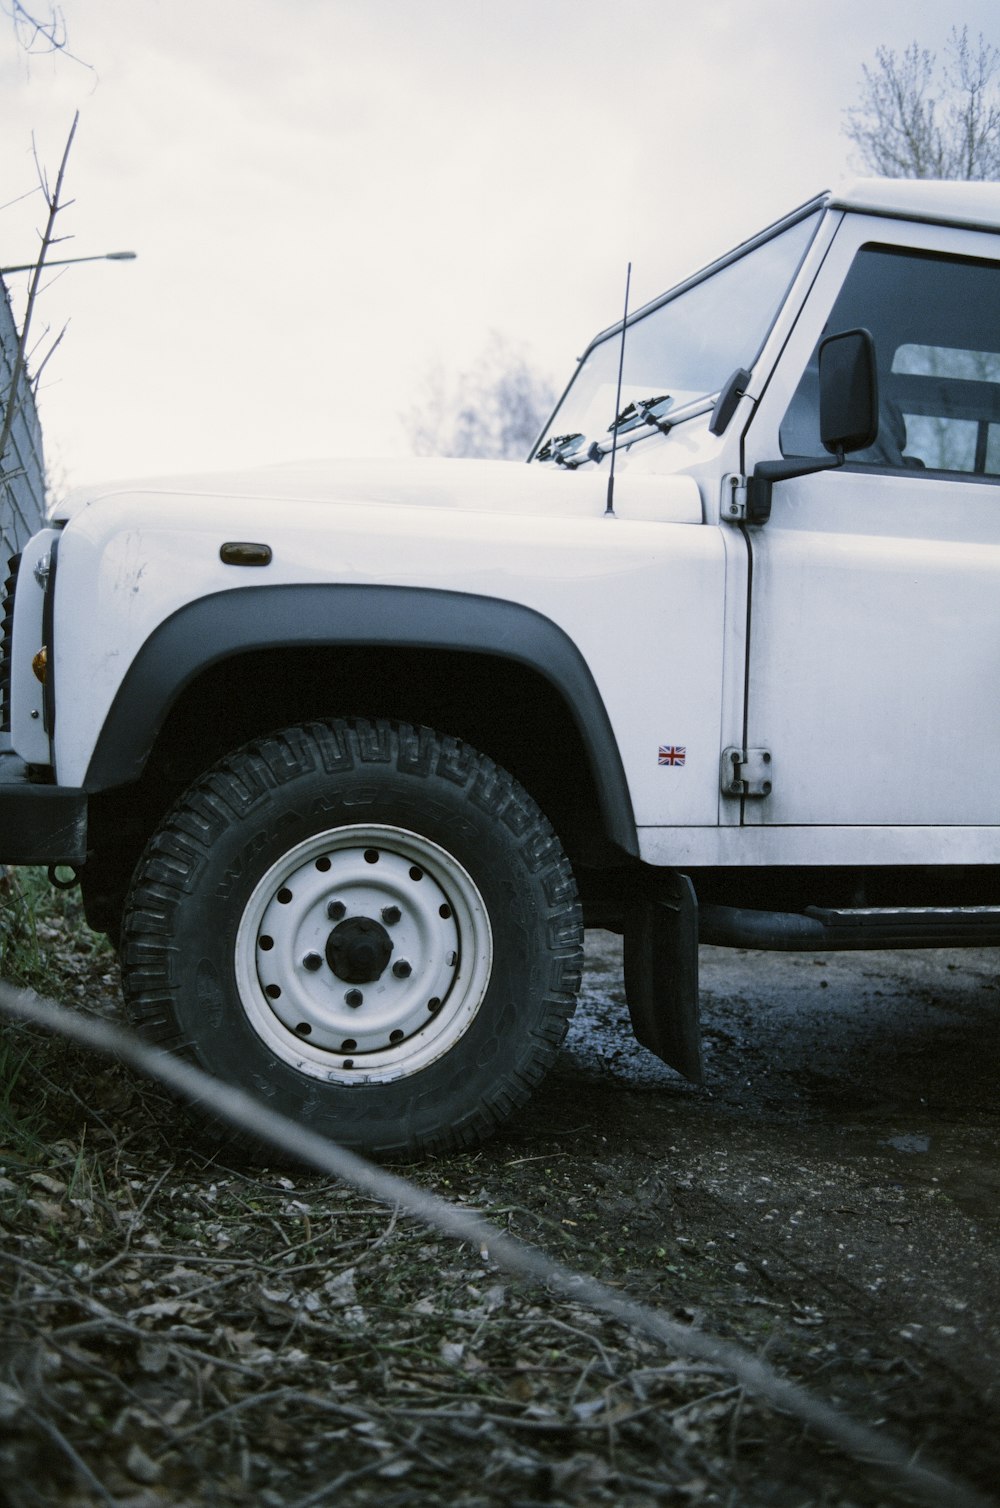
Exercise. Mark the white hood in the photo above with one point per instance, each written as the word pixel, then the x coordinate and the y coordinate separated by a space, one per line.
pixel 473 486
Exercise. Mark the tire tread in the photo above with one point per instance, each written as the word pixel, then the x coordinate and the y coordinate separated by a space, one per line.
pixel 170 874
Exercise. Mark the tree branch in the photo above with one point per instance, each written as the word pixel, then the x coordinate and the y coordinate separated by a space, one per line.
pixel 48 239
pixel 35 36
pixel 921 118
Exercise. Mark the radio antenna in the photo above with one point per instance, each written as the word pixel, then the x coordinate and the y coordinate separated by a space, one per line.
pixel 618 401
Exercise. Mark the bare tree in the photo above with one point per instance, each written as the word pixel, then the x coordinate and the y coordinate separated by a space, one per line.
pixel 33 31
pixel 17 391
pixel 921 116
pixel 495 409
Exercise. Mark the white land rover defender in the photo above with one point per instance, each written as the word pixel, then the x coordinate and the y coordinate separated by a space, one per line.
pixel 347 756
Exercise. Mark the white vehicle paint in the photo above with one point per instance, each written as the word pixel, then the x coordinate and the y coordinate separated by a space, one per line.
pixel 562 561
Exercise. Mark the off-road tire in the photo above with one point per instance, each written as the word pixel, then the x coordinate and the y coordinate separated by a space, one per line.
pixel 360 836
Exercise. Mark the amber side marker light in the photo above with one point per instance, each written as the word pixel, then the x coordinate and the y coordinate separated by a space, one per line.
pixel 243 553
pixel 40 664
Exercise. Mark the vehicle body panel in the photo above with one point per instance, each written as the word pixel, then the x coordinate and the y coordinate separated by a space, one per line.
pixel 606 582
pixel 875 638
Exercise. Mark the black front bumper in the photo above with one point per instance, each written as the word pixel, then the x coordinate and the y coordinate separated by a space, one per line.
pixel 39 824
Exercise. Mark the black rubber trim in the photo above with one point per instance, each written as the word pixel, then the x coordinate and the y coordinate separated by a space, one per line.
pixel 7 639
pixel 661 971
pixel 39 824
pixel 49 640
pixel 251 619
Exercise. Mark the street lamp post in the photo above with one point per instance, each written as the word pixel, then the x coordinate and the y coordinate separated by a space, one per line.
pixel 106 256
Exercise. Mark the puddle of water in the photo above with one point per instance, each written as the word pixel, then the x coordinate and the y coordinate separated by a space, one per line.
pixel 908 1143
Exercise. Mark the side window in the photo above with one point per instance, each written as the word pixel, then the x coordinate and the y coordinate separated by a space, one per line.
pixel 936 323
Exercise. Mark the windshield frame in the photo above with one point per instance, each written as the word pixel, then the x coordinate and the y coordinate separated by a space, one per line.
pixel 690 408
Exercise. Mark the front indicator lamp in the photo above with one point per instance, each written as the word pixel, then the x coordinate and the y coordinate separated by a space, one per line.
pixel 243 552
pixel 40 664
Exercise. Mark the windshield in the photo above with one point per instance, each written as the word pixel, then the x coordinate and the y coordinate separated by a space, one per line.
pixel 681 348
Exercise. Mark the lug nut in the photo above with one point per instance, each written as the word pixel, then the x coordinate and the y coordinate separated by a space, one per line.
pixel 354 997
pixel 391 915
pixel 402 969
pixel 312 962
pixel 335 910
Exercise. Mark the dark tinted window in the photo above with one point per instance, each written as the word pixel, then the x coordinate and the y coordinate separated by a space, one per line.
pixel 936 323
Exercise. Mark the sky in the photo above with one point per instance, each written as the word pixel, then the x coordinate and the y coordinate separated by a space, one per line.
pixel 329 197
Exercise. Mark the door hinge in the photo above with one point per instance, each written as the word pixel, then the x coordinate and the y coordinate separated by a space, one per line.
pixel 747 772
pixel 734 499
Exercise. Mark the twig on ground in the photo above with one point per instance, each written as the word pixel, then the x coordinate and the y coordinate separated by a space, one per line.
pixel 330 1489
pixel 59 1439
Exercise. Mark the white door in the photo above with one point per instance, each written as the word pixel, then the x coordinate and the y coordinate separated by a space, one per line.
pixel 874 634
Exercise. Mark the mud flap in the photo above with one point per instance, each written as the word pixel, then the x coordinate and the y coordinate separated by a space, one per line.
pixel 661 972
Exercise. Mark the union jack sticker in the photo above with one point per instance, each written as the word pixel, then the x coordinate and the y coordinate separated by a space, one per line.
pixel 672 754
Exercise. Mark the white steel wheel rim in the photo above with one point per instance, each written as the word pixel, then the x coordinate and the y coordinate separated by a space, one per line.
pixel 329 908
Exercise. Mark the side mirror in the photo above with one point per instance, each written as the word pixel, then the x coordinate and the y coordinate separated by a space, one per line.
pixel 848 392
pixel 848 416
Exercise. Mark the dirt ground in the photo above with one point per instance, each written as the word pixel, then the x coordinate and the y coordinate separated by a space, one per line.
pixel 835 1187
pixel 179 1331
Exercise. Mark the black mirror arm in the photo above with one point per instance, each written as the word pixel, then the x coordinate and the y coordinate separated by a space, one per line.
pixel 766 473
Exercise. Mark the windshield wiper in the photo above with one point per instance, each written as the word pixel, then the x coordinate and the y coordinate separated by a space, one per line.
pixel 559 447
pixel 594 452
pixel 565 450
pixel 571 457
pixel 643 411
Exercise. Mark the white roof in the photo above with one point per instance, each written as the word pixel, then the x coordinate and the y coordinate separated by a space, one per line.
pixel 949 201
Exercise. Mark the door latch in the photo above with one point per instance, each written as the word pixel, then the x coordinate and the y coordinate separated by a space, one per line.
pixel 747 772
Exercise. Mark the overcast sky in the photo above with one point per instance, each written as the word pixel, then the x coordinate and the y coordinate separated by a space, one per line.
pixel 326 196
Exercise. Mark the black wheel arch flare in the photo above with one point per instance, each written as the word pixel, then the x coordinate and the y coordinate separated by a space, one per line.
pixel 247 619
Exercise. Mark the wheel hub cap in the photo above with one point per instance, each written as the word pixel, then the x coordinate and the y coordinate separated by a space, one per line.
pixel 358 950
pixel 368 999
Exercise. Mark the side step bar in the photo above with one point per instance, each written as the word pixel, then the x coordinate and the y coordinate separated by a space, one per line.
pixel 820 929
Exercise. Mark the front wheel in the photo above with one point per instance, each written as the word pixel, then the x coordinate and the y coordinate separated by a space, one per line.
pixel 369 925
